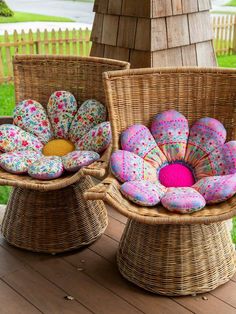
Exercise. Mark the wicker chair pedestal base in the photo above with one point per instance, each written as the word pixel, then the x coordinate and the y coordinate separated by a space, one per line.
pixel 53 221
pixel 176 260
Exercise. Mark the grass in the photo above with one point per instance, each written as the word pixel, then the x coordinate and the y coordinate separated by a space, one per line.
pixel 30 17
pixel 231 3
pixel 227 61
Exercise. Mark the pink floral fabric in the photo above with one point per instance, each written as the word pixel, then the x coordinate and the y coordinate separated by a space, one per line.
pixel 78 159
pixel 183 174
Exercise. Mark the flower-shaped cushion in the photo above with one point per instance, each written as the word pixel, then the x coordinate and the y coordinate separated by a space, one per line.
pixel 44 144
pixel 182 168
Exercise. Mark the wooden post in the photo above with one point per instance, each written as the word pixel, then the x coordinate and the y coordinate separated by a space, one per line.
pixel 151 33
pixel 234 37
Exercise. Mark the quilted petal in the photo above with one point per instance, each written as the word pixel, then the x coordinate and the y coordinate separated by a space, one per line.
pixel 18 162
pixel 76 160
pixel 46 168
pixel 30 116
pixel 139 140
pixel 183 200
pixel 143 193
pixel 127 166
pixel 221 161
pixel 97 139
pixel 61 109
pixel 12 138
pixel 217 189
pixel 205 135
pixel 170 131
pixel 91 113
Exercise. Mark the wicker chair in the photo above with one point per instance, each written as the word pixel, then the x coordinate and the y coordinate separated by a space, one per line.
pixel 160 251
pixel 52 216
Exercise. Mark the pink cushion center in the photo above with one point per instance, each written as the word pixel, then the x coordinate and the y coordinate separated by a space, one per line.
pixel 176 175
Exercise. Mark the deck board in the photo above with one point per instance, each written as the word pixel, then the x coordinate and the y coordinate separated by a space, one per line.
pixel 32 283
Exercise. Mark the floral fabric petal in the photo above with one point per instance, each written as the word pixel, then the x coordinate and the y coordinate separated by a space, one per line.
pixel 46 168
pixel 97 139
pixel 30 116
pixel 18 162
pixel 91 113
pixel 143 193
pixel 221 161
pixel 183 200
pixel 170 131
pixel 127 166
pixel 139 140
pixel 217 189
pixel 74 161
pixel 12 138
pixel 61 109
pixel 205 135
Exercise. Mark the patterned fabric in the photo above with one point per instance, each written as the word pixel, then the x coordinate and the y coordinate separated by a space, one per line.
pixel 205 135
pixel 170 131
pixel 30 116
pixel 181 163
pixel 217 189
pixel 97 139
pixel 74 161
pixel 12 138
pixel 221 161
pixel 61 109
pixel 143 192
pixel 127 166
pixel 139 140
pixel 46 168
pixel 183 200
pixel 18 162
pixel 91 113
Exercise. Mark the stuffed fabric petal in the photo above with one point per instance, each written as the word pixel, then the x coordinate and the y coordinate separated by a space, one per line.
pixel 170 131
pixel 183 200
pixel 139 140
pixel 97 139
pixel 74 161
pixel 18 162
pixel 143 192
pixel 205 135
pixel 30 116
pixel 217 189
pixel 12 138
pixel 91 113
pixel 221 161
pixel 61 109
pixel 127 166
pixel 46 168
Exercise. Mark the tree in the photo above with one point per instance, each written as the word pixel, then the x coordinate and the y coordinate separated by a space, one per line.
pixel 5 10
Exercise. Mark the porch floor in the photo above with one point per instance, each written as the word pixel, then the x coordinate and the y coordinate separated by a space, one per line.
pixel 37 283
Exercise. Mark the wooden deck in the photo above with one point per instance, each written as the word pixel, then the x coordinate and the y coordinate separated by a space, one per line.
pixel 36 283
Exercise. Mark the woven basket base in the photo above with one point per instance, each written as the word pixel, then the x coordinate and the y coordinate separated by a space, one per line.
pixel 176 260
pixel 53 221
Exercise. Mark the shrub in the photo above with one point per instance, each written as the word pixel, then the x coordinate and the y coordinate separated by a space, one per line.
pixel 5 10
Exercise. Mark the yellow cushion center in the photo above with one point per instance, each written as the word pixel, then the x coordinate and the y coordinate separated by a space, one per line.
pixel 58 147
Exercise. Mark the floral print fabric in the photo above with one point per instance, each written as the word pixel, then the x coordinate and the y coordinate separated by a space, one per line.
pixel 211 162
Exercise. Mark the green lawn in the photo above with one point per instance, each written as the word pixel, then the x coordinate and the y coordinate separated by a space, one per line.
pixel 30 17
pixel 231 3
pixel 227 61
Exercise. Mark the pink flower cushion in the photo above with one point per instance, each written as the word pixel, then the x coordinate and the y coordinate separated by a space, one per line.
pixel 217 189
pixel 143 192
pixel 18 162
pixel 139 140
pixel 183 200
pixel 30 116
pixel 97 139
pixel 170 131
pixel 46 168
pixel 184 164
pixel 61 109
pixel 127 166
pixel 78 159
pixel 12 138
pixel 90 114
pixel 205 135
